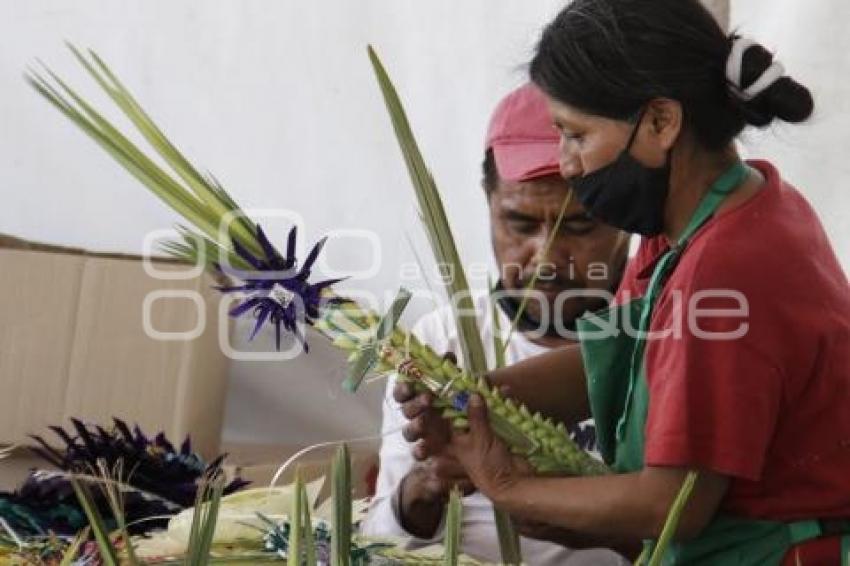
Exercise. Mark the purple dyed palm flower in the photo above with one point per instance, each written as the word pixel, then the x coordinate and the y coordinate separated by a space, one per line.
pixel 276 290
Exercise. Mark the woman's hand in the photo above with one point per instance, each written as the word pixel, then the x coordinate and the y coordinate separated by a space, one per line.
pixel 485 457
pixel 571 539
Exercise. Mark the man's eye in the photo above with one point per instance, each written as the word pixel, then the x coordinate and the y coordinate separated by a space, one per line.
pixel 523 226
pixel 579 227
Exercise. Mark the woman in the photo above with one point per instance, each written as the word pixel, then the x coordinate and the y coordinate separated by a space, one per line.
pixel 733 356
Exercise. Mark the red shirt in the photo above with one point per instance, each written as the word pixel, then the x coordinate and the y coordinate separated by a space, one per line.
pixel 770 407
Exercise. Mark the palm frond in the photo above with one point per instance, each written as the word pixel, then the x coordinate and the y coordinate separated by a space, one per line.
pixel 70 553
pixel 368 359
pixel 341 496
pixel 309 537
pixel 296 525
pixel 212 195
pixel 204 521
pixel 108 554
pixel 509 546
pixel 199 199
pixel 454 523
pixel 446 253
pixel 671 524
pixel 124 152
pixel 436 225
pixel 228 241
pixel 116 505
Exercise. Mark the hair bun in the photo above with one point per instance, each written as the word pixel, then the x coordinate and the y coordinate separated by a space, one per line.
pixel 784 98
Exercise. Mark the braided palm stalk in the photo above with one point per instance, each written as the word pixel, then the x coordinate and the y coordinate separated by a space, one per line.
pixel 547 446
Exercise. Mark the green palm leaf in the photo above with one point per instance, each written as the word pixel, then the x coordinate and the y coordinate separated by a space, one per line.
pixel 446 253
pixel 341 496
pixel 436 225
pixel 201 200
pixel 454 522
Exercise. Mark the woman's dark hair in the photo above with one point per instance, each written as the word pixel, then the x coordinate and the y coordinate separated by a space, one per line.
pixel 610 57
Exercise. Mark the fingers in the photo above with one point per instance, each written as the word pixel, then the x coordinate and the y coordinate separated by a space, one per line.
pixel 420 452
pixel 412 431
pixel 425 429
pixel 403 392
pixel 446 466
pixel 416 411
pixel 439 488
pixel 444 473
pixel 416 406
pixel 466 442
pixel 424 422
pixel 432 432
pixel 479 427
pixel 429 445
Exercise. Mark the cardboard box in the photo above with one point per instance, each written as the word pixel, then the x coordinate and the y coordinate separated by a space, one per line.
pixel 73 343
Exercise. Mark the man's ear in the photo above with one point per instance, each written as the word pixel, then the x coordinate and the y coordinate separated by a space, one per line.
pixel 665 119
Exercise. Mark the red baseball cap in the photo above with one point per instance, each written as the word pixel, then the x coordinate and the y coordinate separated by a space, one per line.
pixel 522 137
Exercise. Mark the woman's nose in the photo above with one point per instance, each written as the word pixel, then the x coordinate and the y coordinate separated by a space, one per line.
pixel 568 161
pixel 570 167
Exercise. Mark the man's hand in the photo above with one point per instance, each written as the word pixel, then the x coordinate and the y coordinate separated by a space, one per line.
pixel 426 426
pixel 425 490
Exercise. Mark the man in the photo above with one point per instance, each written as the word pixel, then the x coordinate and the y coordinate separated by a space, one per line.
pixel 525 194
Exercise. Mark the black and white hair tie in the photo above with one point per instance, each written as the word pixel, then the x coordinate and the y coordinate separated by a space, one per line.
pixel 734 66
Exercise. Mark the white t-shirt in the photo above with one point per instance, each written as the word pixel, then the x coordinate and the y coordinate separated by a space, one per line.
pixel 479 538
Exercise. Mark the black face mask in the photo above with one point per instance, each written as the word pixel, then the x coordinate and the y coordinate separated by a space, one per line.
pixel 525 323
pixel 626 194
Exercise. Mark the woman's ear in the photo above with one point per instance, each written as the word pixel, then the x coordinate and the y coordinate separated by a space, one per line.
pixel 665 119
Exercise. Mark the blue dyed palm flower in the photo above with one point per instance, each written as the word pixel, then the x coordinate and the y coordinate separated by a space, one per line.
pixel 276 291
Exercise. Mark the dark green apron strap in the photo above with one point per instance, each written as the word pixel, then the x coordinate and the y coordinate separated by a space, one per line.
pixel 718 191
pixel 802 531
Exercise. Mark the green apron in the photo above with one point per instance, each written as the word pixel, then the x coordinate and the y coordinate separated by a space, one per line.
pixel 613 356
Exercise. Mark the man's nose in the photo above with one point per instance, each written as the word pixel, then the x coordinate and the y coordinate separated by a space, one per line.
pixel 539 242
pixel 558 254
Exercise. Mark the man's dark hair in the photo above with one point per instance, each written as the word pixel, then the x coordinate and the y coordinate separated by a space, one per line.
pixel 610 57
pixel 489 173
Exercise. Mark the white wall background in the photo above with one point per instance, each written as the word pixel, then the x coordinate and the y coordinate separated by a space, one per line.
pixel 278 99
pixel 811 40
